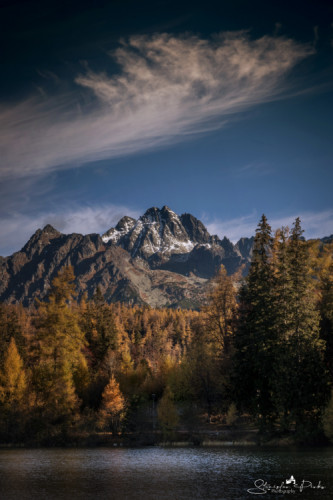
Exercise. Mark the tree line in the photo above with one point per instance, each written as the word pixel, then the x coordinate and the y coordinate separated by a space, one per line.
pixel 262 347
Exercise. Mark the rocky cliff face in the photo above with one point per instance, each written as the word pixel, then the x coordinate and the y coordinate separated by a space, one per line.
pixel 161 259
pixel 157 231
pixel 178 244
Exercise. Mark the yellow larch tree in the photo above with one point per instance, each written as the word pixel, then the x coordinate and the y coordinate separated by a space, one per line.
pixel 113 406
pixel 13 392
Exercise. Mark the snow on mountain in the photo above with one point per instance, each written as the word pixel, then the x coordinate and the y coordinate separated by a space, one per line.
pixel 157 231
pixel 122 228
pixel 160 259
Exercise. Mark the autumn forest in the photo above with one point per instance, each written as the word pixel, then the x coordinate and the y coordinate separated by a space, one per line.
pixel 260 351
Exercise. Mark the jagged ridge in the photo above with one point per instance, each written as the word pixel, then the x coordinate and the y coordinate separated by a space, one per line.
pixel 179 244
pixel 160 259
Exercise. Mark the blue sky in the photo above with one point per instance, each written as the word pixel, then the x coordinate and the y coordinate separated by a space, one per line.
pixel 220 109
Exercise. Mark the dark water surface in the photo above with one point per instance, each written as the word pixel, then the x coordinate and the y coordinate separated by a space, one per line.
pixel 162 473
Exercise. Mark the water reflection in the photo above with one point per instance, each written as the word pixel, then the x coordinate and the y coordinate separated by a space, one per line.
pixel 158 473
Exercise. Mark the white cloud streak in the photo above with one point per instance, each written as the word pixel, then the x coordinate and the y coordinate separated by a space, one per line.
pixel 234 228
pixel 16 229
pixel 168 88
pixel 315 224
pixel 253 169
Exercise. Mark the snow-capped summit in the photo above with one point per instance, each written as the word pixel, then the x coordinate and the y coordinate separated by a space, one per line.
pixel 122 228
pixel 159 259
pixel 182 244
pixel 158 231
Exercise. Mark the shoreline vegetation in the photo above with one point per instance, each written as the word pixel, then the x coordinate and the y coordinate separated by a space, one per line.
pixel 252 368
pixel 233 438
pixel 201 438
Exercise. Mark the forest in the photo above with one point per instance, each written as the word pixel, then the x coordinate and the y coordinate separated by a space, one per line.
pixel 260 351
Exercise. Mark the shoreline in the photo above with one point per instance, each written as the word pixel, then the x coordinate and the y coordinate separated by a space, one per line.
pixel 109 441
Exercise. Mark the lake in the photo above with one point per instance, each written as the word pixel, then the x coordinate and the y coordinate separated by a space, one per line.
pixel 164 473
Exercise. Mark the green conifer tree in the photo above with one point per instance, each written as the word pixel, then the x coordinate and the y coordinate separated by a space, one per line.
pixel 301 382
pixel 99 325
pixel 255 337
pixel 326 312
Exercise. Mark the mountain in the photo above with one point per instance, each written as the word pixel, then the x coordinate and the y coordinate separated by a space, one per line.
pixel 177 244
pixel 161 259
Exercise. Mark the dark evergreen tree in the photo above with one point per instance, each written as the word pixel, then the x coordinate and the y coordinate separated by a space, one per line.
pixel 255 338
pixel 99 326
pixel 282 299
pixel 326 314
pixel 301 384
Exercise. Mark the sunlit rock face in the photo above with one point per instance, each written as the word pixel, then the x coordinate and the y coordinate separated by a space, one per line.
pixel 157 231
pixel 179 244
pixel 161 259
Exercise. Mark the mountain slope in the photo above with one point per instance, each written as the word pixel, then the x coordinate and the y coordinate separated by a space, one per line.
pixel 178 244
pixel 161 259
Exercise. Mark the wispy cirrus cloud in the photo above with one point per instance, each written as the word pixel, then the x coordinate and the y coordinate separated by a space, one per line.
pixel 168 88
pixel 16 228
pixel 234 228
pixel 253 169
pixel 315 224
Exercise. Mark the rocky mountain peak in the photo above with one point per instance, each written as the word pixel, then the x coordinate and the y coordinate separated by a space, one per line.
pixel 167 213
pixel 115 234
pixel 156 231
pixel 151 215
pixel 40 239
pixel 164 215
pixel 161 259
pixel 125 224
pixel 245 247
pixel 48 229
pixel 195 229
pixel 227 245
pixel 166 240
